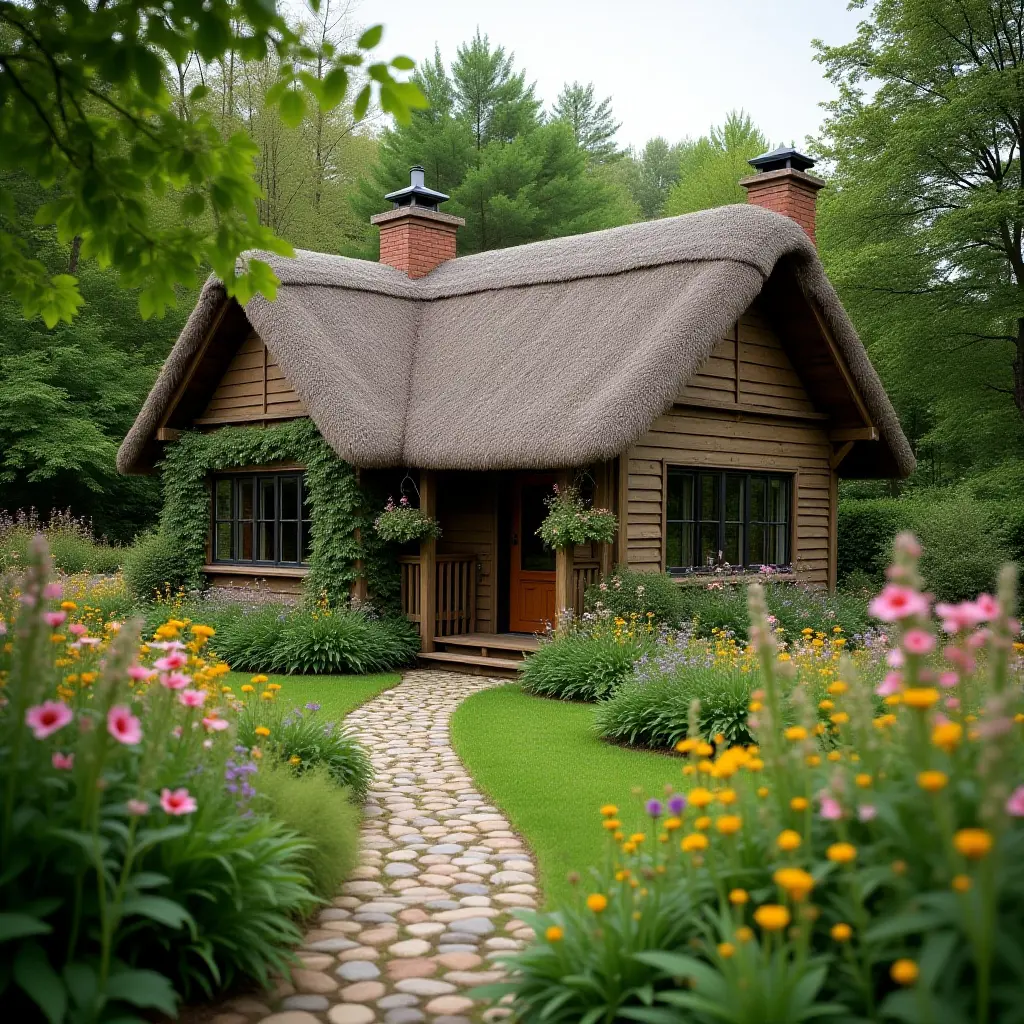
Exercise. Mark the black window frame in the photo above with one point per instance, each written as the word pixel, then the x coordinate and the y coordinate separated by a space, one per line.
pixel 254 484
pixel 695 523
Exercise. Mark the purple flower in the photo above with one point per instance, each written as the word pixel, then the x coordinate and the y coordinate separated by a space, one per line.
pixel 313 706
pixel 677 803
pixel 655 808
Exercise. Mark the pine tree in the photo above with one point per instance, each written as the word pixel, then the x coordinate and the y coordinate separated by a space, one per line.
pixel 592 123
pixel 652 175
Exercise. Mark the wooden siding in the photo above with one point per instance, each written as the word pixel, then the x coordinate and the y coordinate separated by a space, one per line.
pixel 253 389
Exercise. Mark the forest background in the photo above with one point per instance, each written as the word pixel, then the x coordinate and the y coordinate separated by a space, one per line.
pixel 920 230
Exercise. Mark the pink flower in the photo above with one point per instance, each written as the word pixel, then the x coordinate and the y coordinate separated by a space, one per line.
pixel 62 762
pixel 136 808
pixel 953 703
pixel 1015 805
pixel 169 662
pixel 77 629
pixel 830 808
pixel 46 718
pixel 908 544
pixel 165 645
pixel 123 725
pixel 215 724
pixel 192 698
pixel 891 684
pixel 918 641
pixel 898 602
pixel 54 619
pixel 140 672
pixel 895 658
pixel 175 680
pixel 987 606
pixel 89 641
pixel 978 638
pixel 866 812
pixel 52 591
pixel 948 679
pixel 177 801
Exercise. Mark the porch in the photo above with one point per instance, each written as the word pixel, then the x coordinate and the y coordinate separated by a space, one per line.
pixel 481 592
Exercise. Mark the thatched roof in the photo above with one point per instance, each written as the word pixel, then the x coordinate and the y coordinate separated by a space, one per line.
pixel 553 354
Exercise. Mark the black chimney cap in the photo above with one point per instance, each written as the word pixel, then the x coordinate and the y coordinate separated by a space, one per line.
pixel 780 159
pixel 416 193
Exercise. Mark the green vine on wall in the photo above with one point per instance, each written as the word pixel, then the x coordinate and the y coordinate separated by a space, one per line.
pixel 340 514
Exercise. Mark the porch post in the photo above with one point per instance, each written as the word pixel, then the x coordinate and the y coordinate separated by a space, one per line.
pixel 563 565
pixel 428 563
pixel 605 498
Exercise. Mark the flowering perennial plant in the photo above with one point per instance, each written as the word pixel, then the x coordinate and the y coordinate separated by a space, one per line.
pixel 569 521
pixel 403 522
pixel 116 828
pixel 862 864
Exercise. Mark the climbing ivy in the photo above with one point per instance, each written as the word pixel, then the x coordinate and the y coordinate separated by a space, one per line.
pixel 341 517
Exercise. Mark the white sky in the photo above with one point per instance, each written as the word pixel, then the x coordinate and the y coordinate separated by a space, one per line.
pixel 672 67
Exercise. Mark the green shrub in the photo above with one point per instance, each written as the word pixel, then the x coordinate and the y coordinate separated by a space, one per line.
pixel 302 733
pixel 324 816
pixel 250 641
pixel 153 565
pixel 72 545
pixel 655 710
pixel 626 592
pixel 866 528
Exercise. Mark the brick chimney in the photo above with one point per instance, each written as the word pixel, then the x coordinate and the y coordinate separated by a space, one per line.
pixel 414 236
pixel 782 184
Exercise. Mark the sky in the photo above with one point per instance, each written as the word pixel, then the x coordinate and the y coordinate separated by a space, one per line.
pixel 672 67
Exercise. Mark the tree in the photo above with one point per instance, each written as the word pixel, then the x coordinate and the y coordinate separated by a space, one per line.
pixel 482 140
pixel 652 175
pixel 926 138
pixel 711 167
pixel 592 123
pixel 94 102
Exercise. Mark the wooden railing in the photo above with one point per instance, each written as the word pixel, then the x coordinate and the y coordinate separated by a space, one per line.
pixel 584 574
pixel 456 593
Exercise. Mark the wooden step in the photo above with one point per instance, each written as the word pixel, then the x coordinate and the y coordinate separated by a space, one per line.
pixel 489 641
pixel 498 665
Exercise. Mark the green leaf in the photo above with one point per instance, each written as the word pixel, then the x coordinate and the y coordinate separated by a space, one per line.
pixel 81 981
pixel 371 37
pixel 144 988
pixel 403 63
pixel 293 107
pixel 17 926
pixel 40 982
pixel 157 908
pixel 362 103
pixel 335 85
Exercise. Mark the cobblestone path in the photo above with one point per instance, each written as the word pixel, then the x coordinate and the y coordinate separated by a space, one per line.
pixel 422 918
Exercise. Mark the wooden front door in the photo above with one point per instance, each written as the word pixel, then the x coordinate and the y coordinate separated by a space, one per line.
pixel 532 603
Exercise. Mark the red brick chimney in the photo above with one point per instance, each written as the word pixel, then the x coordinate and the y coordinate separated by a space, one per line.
pixel 414 236
pixel 782 184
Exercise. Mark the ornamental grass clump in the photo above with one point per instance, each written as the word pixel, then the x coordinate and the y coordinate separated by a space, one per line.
pixel 134 870
pixel 859 860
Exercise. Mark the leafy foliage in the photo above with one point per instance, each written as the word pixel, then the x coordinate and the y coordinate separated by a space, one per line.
pixel 592 122
pixel 402 523
pixel 85 105
pixel 626 593
pixel 72 545
pixel 570 521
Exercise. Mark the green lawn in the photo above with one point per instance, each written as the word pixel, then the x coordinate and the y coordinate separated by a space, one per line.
pixel 337 695
pixel 540 762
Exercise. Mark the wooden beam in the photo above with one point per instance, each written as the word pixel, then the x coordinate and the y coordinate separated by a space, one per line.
pixel 564 599
pixel 180 390
pixel 428 563
pixel 622 509
pixel 838 454
pixel 833 529
pixel 840 362
pixel 604 497
pixel 748 408
pixel 868 433
pixel 167 433
pixel 359 592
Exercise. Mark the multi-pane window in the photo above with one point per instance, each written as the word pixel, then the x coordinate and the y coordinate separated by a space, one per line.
pixel 715 516
pixel 263 519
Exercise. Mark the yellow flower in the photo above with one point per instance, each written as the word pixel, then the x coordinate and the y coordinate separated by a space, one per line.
pixel 295 759
pixel 841 853
pixel 838 688
pixel 762 791
pixel 247 688
pixel 839 718
pixel 685 746
pixel 921 697
pixel 771 917
pixel 554 933
pixel 729 824
pixel 727 796
pixel 973 843
pixel 834 756
pixel 755 706
pixel 671 824
pixel 694 842
pixel 826 705
pixel 726 950
pixel 637 837
pixel 932 781
pixel 597 902
pixel 796 882
pixel 904 972
pixel 203 631
pixel 259 679
pixel 274 687
pixel 702 823
pixel 629 847
pixel 863 779
pixel 788 840
pixel 795 733
pixel 799 803
pixel 611 824
pixel 841 932
pixel 266 695
pixel 262 730
pixel 700 797
pixel 961 883
pixel 609 810
pixel 68 606
pixel 737 897
pixel 744 934
pixel 947 736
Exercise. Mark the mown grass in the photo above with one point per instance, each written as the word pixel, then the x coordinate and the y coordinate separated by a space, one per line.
pixel 541 762
pixel 337 695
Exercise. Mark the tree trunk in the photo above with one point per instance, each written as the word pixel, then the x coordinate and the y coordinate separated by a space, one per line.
pixel 76 248
pixel 1018 369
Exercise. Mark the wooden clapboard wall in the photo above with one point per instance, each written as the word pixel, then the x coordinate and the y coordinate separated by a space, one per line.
pixel 746 409
pixel 253 389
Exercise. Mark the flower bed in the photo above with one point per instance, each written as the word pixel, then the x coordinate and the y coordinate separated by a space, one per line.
pixel 860 860
pixel 140 860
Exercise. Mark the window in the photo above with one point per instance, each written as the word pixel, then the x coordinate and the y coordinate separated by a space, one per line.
pixel 261 519
pixel 720 516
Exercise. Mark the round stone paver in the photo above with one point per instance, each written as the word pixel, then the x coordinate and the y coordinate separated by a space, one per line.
pixel 441 873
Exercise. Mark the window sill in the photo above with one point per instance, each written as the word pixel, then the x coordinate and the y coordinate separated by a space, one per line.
pixel 694 579
pixel 231 569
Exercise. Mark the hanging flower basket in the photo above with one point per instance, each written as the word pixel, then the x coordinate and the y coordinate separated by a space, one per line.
pixel 403 522
pixel 570 522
